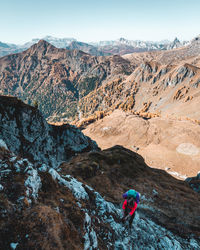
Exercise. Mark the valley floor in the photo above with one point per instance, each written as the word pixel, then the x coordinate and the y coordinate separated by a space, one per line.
pixel 165 143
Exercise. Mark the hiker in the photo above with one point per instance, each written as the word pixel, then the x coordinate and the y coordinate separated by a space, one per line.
pixel 132 199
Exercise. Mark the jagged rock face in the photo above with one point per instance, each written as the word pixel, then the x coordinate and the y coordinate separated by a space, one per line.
pixel 173 56
pixel 27 133
pixel 166 87
pixel 79 206
pixel 194 182
pixel 56 78
pixel 168 80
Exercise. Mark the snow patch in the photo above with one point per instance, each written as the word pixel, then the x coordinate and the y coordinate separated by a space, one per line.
pixel 1 187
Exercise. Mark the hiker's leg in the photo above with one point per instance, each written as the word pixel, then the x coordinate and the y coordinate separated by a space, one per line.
pixel 131 220
pixel 126 211
pixel 125 214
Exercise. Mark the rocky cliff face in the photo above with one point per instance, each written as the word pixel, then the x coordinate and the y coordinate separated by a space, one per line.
pixel 161 83
pixel 27 133
pixel 79 205
pixel 151 87
pixel 194 182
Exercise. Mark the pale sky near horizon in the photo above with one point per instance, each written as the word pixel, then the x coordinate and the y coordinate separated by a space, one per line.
pixel 91 20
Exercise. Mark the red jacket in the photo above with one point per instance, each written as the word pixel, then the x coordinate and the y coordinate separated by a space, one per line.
pixel 132 208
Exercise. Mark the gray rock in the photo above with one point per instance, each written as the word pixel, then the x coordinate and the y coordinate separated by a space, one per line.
pixel 27 133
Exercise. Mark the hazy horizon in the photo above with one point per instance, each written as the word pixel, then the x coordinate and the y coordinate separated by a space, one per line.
pixel 90 21
pixel 92 42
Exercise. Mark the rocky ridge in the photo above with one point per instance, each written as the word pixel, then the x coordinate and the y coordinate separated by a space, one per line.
pixel 152 88
pixel 194 182
pixel 161 83
pixel 27 133
pixel 70 208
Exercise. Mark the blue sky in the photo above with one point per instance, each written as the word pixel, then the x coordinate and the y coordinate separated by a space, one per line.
pixel 94 20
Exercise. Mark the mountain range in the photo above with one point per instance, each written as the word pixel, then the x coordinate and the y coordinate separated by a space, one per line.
pixel 57 78
pixel 71 84
pixel 102 48
pixel 160 87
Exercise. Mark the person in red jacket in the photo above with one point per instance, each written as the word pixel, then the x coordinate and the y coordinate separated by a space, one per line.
pixel 129 207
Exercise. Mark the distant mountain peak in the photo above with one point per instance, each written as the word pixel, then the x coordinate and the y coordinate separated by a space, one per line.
pixel 176 40
pixel 42 44
pixel 3 45
pixel 122 39
pixel 197 38
pixel 175 44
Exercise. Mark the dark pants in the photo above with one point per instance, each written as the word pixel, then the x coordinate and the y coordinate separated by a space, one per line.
pixel 126 212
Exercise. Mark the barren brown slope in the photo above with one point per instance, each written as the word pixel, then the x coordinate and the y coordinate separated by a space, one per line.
pixel 164 82
pixel 152 87
pixel 75 84
pixel 56 78
pixel 166 143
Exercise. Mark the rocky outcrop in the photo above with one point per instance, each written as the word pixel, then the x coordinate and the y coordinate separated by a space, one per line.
pixel 175 44
pixel 28 134
pixel 79 207
pixel 194 182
